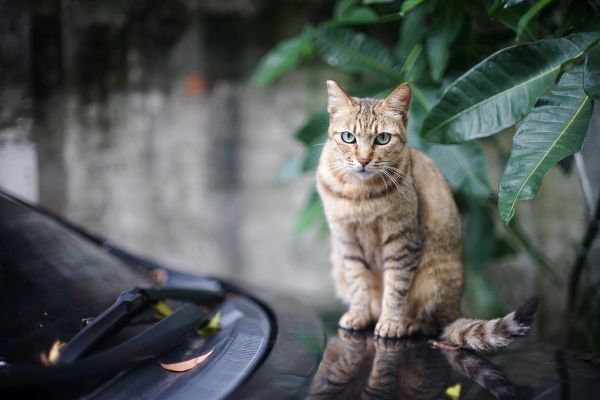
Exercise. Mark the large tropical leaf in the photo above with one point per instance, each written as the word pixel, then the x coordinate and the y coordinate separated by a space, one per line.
pixel 445 29
pixel 281 59
pixel 591 75
pixel 502 89
pixel 354 52
pixel 463 165
pixel 553 130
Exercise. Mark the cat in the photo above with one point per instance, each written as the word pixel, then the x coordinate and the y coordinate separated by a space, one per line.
pixel 397 252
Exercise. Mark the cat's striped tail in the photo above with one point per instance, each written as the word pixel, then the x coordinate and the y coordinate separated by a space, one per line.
pixel 487 335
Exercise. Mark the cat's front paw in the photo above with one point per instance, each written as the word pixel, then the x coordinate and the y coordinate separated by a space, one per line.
pixel 388 328
pixel 355 320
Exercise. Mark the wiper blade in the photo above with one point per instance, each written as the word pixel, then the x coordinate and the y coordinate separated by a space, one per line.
pixel 150 343
pixel 127 305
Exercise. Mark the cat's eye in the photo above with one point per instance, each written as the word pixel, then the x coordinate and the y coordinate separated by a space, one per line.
pixel 348 137
pixel 383 138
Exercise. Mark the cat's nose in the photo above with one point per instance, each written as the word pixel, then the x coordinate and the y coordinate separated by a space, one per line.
pixel 364 161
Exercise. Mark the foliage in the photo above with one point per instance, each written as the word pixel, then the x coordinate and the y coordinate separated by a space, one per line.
pixel 476 68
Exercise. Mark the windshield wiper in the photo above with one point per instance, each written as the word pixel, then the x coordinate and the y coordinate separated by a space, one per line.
pixel 152 342
pixel 127 305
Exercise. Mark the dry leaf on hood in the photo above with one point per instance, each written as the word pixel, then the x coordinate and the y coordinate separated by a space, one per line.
pixel 163 308
pixel 53 353
pixel 183 366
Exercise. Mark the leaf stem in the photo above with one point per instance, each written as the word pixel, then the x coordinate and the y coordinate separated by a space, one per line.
pixel 515 228
pixel 533 11
pixel 580 262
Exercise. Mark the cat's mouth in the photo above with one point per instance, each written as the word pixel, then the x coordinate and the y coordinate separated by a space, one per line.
pixel 364 172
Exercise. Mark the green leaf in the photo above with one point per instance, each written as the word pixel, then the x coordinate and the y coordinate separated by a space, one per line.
pixel 445 29
pixel 553 130
pixel 410 5
pixel 502 89
pixel 360 15
pixel 311 157
pixel 314 130
pixel 409 49
pixel 288 54
pixel 462 165
pixel 529 15
pixel 492 8
pixel 213 326
pixel 311 214
pixel 341 7
pixel 347 11
pixel 411 32
pixel 377 1
pixel 511 16
pixel 313 135
pixel 591 74
pixel 510 3
pixel 354 52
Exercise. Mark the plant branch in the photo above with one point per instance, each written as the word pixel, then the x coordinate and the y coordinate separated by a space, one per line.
pixel 535 254
pixel 580 261
pixel 526 244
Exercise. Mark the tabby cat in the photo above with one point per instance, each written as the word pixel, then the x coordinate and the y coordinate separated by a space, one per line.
pixel 395 229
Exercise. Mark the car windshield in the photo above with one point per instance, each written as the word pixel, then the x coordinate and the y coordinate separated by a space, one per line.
pixel 50 280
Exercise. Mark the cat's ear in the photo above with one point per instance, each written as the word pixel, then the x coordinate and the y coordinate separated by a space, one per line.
pixel 338 100
pixel 398 101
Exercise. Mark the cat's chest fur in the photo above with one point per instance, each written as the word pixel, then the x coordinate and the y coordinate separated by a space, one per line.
pixel 367 237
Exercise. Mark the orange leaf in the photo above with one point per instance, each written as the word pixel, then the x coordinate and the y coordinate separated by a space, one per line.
pixel 53 353
pixel 183 366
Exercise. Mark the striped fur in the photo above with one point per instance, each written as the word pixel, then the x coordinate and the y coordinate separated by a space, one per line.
pixel 396 232
pixel 482 335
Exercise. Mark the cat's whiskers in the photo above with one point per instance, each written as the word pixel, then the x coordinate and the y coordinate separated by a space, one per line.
pixel 337 167
pixel 402 174
pixel 395 182
pixel 380 173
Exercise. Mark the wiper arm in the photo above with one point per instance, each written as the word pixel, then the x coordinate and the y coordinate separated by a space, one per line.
pixel 127 305
pixel 153 341
pixel 150 343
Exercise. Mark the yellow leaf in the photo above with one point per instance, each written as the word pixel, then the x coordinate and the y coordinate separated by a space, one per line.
pixel 454 392
pixel 185 365
pixel 212 327
pixel 55 351
pixel 163 308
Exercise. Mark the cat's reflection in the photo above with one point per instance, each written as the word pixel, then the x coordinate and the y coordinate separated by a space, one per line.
pixel 357 366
